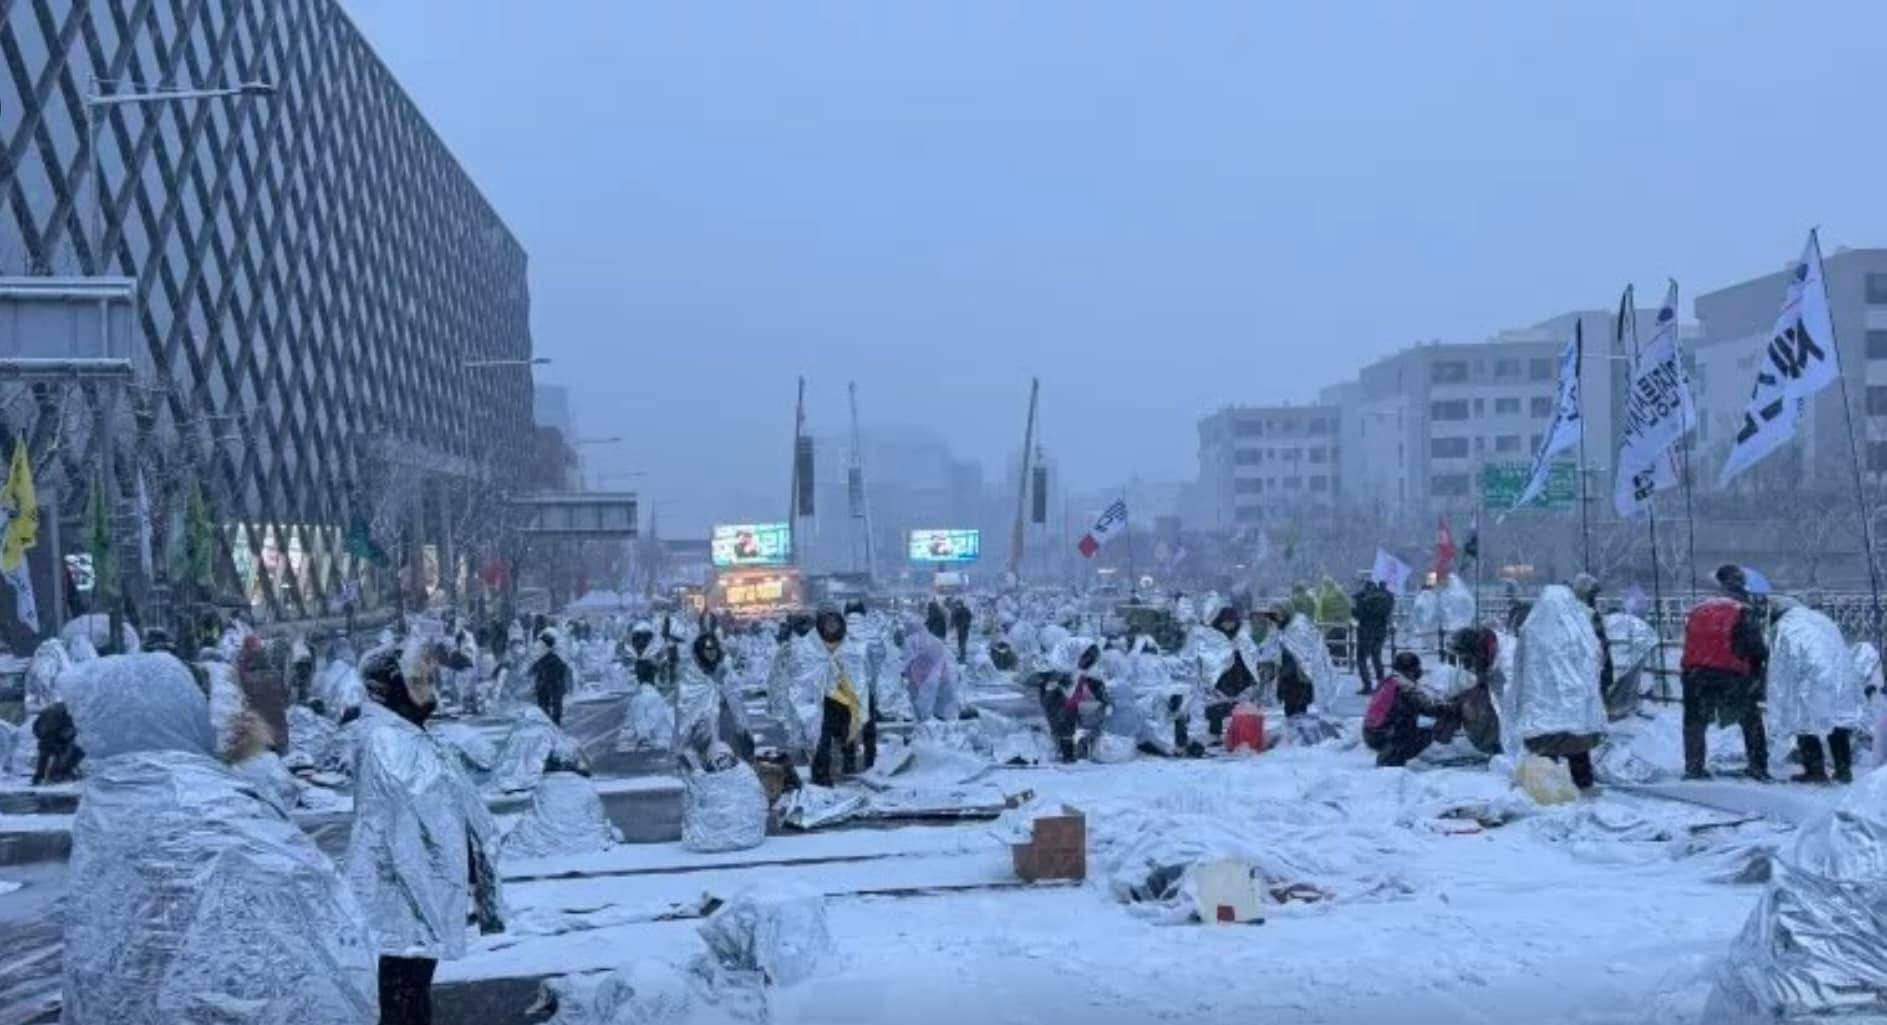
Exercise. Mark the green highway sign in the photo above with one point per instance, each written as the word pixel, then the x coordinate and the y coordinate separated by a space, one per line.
pixel 1502 483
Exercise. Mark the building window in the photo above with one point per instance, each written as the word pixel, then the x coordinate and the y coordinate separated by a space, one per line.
pixel 1534 444
pixel 1877 345
pixel 1293 483
pixel 1447 448
pixel 1247 457
pixel 1506 407
pixel 1450 485
pixel 1319 455
pixel 1448 372
pixel 1507 443
pixel 1453 409
pixel 1248 429
pixel 1877 456
pixel 1540 369
pixel 1541 406
pixel 1320 425
pixel 1480 407
pixel 1506 368
pixel 1320 483
pixel 1877 289
pixel 1248 486
pixel 1876 400
pixel 1480 445
pixel 1250 514
pixel 1292 455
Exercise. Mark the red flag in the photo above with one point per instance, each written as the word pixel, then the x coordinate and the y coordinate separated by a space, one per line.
pixel 1444 550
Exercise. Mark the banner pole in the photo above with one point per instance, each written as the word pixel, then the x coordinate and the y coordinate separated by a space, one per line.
pixel 1579 371
pixel 1854 454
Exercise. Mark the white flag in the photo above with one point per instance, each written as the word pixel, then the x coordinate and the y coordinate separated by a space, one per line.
pixel 1801 360
pixel 1568 425
pixel 1658 411
pixel 1390 571
pixel 1113 521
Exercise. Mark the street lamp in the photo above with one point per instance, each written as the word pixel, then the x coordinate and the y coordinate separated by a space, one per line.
pixel 100 98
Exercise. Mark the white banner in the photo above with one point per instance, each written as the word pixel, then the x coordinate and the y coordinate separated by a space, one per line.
pixel 1801 360
pixel 1113 521
pixel 1658 412
pixel 1568 426
pixel 1391 572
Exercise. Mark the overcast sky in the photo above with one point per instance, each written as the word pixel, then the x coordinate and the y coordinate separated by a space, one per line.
pixel 1158 208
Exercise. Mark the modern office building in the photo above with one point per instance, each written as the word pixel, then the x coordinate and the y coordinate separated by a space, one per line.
pixel 331 320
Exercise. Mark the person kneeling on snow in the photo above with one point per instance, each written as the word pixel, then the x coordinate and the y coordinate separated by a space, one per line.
pixel 1392 726
pixel 1476 649
pixel 59 751
pixel 1075 696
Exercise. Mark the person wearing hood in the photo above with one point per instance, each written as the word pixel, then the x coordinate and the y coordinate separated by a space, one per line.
pixel 1425 619
pixel 1725 656
pixel 642 654
pixel 423 851
pixel 1075 695
pixel 1814 690
pixel 1585 587
pixel 868 649
pixel 960 621
pixel 709 709
pixel 795 709
pixel 1392 725
pixel 1560 710
pixel 1373 606
pixel 550 676
pixel 1296 688
pixel 1477 650
pixel 1225 658
pixel 838 676
pixel 929 675
pixel 191 895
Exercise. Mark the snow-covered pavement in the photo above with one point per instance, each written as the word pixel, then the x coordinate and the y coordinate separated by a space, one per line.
pixel 1609 910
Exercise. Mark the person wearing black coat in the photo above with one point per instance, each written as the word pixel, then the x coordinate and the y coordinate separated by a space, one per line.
pixel 1373 606
pixel 936 620
pixel 550 678
pixel 960 623
pixel 59 752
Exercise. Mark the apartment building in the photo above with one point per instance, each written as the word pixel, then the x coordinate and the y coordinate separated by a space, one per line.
pixel 1260 464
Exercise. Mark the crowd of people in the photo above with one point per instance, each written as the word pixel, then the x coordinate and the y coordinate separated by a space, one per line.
pixel 180 768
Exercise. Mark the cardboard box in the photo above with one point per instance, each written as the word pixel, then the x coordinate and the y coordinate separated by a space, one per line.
pixel 1057 848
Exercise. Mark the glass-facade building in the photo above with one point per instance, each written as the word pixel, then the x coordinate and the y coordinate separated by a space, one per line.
pixel 313 274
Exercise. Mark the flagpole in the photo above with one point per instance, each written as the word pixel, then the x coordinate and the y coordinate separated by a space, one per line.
pixel 1854 452
pixel 1628 314
pixel 1127 524
pixel 1579 371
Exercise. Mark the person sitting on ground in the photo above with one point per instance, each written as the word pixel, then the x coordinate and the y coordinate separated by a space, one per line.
pixel 1075 696
pixel 1476 650
pixel 59 751
pixel 1392 726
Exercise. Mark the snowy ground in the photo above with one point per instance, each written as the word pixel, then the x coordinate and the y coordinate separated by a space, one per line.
pixel 1609 910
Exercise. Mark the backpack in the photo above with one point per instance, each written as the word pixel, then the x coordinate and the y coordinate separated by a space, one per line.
pixel 1382 702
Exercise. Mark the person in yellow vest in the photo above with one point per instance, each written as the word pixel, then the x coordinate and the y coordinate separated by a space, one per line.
pixel 840 677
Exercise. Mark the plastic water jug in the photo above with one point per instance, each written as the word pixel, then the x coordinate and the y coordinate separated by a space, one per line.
pixel 1245 731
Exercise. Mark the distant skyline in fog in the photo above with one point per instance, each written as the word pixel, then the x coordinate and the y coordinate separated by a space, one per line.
pixel 1158 210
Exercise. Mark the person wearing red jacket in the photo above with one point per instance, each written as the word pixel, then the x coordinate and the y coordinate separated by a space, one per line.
pixel 1724 659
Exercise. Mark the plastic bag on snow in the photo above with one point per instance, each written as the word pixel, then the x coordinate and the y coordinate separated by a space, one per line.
pixel 1815 948
pixel 1546 781
pixel 645 992
pixel 723 811
pixel 781 936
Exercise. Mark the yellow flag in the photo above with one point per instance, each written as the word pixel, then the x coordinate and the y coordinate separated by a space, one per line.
pixel 22 509
pixel 843 693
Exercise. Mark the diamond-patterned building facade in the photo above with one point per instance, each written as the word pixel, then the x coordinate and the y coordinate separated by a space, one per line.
pixel 313 273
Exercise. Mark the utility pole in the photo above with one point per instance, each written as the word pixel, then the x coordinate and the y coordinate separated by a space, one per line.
pixel 1022 491
pixel 792 494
